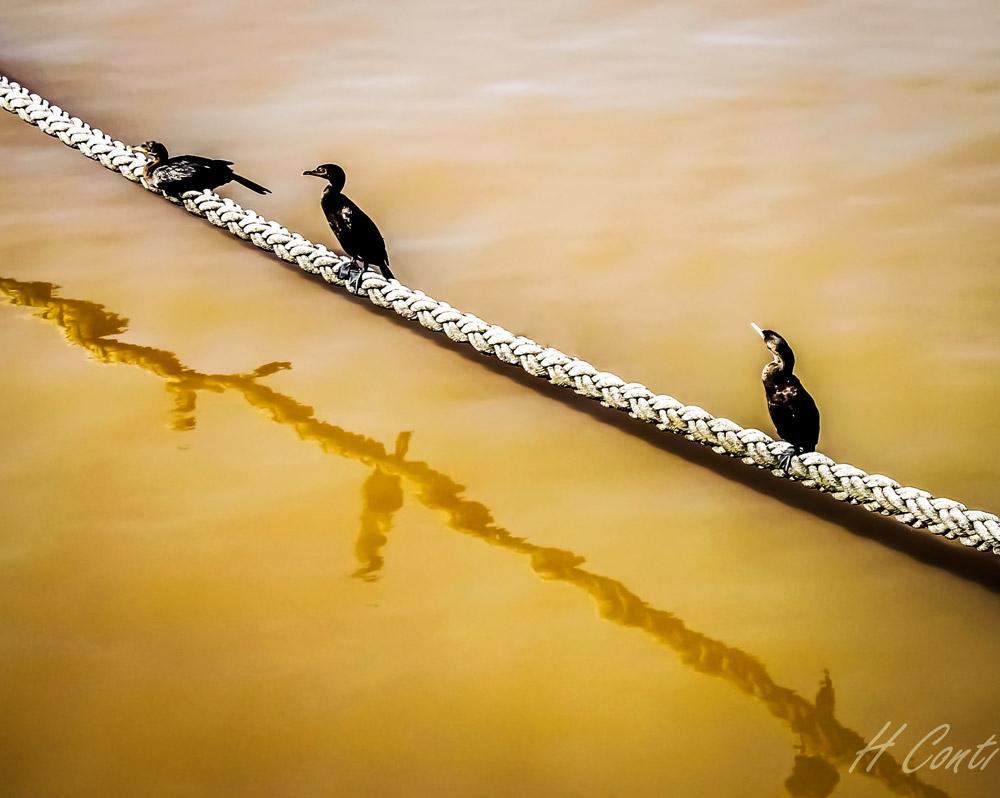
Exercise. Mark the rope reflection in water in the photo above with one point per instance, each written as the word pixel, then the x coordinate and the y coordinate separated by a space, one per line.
pixel 824 744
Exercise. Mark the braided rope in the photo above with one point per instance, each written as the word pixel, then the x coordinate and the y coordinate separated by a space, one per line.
pixel 875 492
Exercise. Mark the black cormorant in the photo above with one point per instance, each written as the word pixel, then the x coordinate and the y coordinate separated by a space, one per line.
pixel 355 231
pixel 174 176
pixel 792 409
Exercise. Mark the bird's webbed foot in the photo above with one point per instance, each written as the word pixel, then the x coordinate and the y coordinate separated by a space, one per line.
pixel 346 268
pixel 354 280
pixel 785 461
pixel 351 273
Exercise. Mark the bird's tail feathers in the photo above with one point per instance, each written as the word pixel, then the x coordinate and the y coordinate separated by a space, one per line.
pixel 251 185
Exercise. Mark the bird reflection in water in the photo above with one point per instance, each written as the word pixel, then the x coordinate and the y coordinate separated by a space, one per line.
pixel 381 497
pixel 812 774
pixel 824 744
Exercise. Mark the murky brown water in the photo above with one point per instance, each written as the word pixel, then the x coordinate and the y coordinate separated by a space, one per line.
pixel 218 583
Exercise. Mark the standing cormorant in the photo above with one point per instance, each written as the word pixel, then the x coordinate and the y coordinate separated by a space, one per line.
pixel 355 231
pixel 174 176
pixel 792 409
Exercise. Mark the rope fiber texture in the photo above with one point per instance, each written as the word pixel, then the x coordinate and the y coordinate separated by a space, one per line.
pixel 875 492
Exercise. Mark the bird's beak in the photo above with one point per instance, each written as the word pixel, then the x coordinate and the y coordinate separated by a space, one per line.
pixel 313 172
pixel 141 150
pixel 760 332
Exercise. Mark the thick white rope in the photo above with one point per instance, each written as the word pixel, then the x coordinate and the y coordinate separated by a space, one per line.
pixel 874 492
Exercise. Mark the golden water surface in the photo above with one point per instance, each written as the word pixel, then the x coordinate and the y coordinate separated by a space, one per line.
pixel 258 539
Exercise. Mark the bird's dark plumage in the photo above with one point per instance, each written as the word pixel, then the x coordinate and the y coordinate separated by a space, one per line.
pixel 174 176
pixel 355 231
pixel 792 409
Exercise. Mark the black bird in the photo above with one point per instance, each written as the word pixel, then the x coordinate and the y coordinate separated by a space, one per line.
pixel 174 176
pixel 355 231
pixel 792 409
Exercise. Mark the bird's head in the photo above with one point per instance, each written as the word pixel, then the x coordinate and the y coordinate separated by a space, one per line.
pixel 331 172
pixel 779 346
pixel 153 150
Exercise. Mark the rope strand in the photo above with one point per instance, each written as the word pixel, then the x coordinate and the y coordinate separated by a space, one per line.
pixel 875 492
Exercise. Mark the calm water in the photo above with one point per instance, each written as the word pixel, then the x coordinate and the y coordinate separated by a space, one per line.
pixel 226 568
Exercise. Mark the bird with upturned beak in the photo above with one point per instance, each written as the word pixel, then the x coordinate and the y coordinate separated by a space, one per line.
pixel 792 409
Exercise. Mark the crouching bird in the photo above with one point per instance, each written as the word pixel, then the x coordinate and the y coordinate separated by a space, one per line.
pixel 792 409
pixel 174 176
pixel 355 231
